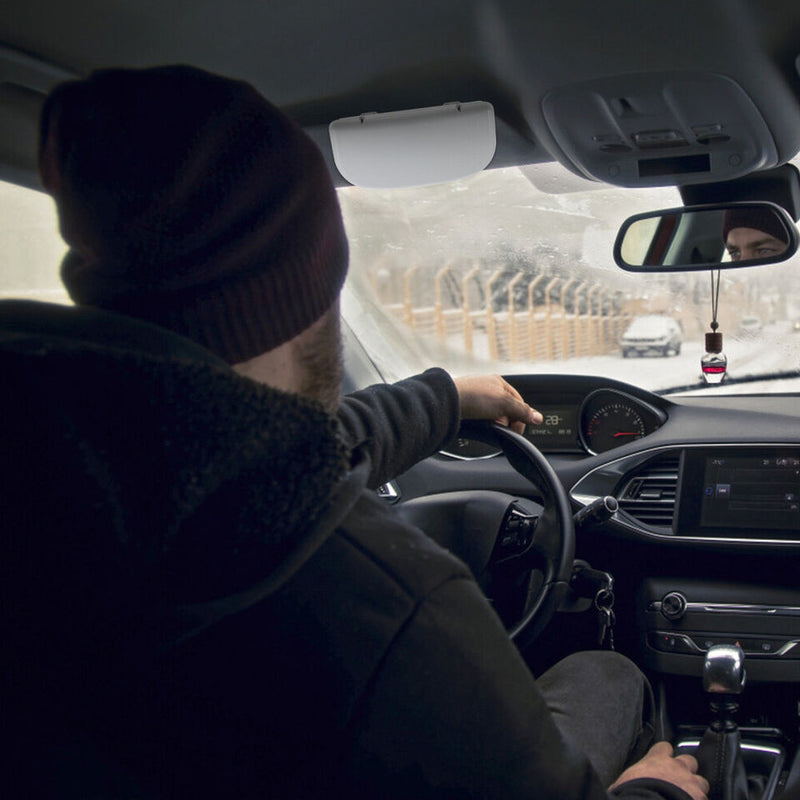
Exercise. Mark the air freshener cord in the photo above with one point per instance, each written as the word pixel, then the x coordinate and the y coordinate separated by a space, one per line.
pixel 714 300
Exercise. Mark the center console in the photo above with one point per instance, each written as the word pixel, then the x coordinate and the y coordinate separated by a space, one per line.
pixel 716 505
pixel 682 620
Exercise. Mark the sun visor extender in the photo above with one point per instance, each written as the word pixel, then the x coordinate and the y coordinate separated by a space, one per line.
pixel 414 147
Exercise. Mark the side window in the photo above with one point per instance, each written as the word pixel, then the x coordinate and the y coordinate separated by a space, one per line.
pixel 31 248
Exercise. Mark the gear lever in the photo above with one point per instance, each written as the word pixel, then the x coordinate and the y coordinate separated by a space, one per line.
pixel 724 677
pixel 719 754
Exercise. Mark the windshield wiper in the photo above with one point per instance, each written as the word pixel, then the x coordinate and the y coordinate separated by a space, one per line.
pixel 730 380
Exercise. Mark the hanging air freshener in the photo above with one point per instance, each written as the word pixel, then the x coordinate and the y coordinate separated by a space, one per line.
pixel 714 362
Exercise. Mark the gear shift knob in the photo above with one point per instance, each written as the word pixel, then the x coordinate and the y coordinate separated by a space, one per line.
pixel 723 669
pixel 719 754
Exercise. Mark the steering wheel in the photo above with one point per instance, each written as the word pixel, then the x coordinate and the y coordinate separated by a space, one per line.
pixel 520 551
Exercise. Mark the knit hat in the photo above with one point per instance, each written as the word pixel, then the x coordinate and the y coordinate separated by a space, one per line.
pixel 190 201
pixel 755 217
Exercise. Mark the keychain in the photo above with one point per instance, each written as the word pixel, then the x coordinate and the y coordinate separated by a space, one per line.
pixel 604 602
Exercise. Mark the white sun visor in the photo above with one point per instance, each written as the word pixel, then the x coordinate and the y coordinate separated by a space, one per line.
pixel 416 147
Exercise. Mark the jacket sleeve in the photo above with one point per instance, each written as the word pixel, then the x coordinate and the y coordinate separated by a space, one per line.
pixel 484 731
pixel 397 425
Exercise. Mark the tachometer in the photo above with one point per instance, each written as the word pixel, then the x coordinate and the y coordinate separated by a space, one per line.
pixel 612 425
pixel 609 419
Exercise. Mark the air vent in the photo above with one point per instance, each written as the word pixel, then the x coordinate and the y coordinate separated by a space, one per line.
pixel 648 495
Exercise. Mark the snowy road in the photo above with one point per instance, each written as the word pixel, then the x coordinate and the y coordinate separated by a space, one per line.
pixel 776 349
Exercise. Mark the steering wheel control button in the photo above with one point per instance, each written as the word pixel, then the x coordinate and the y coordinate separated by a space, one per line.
pixel 673 605
pixel 517 533
pixel 389 491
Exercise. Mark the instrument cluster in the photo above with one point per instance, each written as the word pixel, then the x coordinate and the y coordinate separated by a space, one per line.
pixel 592 422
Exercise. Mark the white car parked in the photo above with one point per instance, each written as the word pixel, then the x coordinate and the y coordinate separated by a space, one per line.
pixel 652 333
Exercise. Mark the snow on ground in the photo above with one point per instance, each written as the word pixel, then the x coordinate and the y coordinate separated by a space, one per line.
pixel 775 349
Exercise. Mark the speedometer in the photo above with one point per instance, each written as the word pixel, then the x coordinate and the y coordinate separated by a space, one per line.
pixel 612 425
pixel 610 419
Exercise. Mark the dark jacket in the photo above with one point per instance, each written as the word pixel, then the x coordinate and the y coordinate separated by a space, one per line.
pixel 199 587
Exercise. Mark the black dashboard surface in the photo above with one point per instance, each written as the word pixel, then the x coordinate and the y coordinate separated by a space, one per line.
pixel 660 457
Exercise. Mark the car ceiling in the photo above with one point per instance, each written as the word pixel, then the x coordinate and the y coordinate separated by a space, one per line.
pixel 323 60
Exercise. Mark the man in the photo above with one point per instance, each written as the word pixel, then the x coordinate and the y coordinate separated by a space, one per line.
pixel 751 232
pixel 300 639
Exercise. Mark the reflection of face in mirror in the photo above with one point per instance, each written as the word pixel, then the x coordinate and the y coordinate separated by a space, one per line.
pixel 751 232
pixel 713 236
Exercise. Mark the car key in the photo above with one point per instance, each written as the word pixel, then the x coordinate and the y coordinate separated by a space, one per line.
pixel 603 602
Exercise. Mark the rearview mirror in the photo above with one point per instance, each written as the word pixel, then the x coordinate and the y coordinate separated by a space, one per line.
pixel 721 236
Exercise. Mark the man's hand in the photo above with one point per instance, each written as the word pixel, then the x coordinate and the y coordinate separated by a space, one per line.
pixel 660 763
pixel 490 397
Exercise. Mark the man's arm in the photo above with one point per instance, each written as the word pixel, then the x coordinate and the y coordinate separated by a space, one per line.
pixel 399 424
pixel 492 397
pixel 396 425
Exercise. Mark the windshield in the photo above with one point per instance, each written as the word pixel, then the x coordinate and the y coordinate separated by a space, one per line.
pixel 509 271
pixel 512 271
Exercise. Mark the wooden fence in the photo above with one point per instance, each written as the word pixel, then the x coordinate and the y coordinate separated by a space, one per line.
pixel 516 318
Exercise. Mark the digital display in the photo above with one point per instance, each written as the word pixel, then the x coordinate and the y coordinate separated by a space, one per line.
pixel 751 492
pixel 557 432
pixel 559 427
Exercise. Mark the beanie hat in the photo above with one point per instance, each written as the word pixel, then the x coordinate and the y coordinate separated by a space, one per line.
pixel 190 201
pixel 755 217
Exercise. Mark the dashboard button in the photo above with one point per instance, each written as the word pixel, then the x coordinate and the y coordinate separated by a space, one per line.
pixel 751 645
pixel 673 605
pixel 705 641
pixel 671 642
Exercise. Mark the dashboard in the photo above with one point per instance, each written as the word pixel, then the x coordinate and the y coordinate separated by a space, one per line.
pixel 708 516
pixel 748 494
pixel 721 470
pixel 574 422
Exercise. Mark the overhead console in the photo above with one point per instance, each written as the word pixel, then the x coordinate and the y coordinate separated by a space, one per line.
pixel 659 128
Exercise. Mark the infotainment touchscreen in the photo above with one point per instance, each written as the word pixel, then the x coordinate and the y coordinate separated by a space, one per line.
pixel 740 492
pixel 751 492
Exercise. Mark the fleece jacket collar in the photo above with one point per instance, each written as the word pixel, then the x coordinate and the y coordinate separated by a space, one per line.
pixel 187 488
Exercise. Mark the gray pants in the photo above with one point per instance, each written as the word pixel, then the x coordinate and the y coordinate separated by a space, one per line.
pixel 604 705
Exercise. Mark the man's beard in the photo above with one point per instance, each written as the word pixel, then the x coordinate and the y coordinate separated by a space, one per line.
pixel 322 363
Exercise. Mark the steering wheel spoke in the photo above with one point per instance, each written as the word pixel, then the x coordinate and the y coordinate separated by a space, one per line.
pixel 534 539
pixel 519 550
